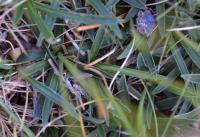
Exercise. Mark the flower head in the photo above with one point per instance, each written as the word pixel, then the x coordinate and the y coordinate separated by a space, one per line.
pixel 145 22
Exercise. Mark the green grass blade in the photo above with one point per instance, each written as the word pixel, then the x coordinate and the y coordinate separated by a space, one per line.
pixel 193 54
pixel 18 14
pixel 180 62
pixel 38 107
pixel 123 89
pixel 188 42
pixel 125 51
pixel 193 78
pixel 47 107
pixel 140 116
pixel 49 21
pixel 142 46
pixel 160 9
pixel 33 13
pixel 136 3
pixel 171 77
pixel 80 17
pixel 32 55
pixel 33 69
pixel 131 14
pixel 96 45
pixel 183 70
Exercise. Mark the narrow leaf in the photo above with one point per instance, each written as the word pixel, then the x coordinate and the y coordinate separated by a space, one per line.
pixel 80 17
pixel 38 20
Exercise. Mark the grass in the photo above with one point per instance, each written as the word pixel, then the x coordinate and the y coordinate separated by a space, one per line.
pixel 81 69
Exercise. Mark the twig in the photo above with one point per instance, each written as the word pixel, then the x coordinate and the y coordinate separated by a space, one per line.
pixel 25 110
pixel 122 66
pixel 100 59
pixel 87 27
pixel 74 43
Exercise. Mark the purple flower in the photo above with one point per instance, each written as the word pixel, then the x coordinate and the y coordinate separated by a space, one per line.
pixel 145 22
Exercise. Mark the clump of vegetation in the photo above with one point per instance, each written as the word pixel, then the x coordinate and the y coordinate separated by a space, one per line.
pixel 101 68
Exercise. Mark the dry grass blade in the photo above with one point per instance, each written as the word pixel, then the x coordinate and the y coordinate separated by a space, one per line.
pixel 184 28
